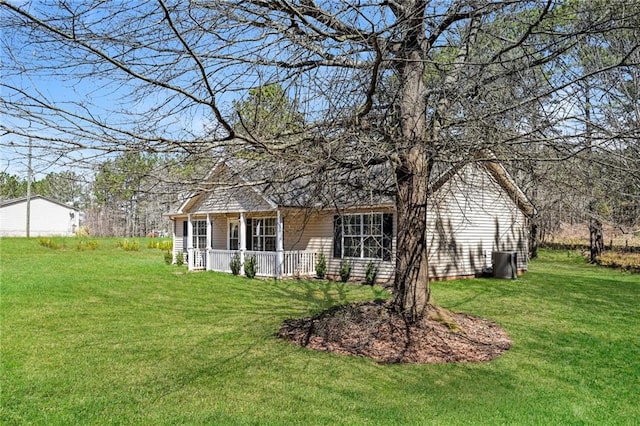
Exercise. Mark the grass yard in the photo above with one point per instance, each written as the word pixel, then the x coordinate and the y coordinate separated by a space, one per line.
pixel 118 337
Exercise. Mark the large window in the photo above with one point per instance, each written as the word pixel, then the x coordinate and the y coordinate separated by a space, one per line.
pixel 200 234
pixel 363 235
pixel 261 235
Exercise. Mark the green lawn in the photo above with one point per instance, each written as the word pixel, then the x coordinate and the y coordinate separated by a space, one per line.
pixel 116 337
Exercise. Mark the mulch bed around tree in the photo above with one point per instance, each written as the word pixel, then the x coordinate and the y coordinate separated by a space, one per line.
pixel 373 329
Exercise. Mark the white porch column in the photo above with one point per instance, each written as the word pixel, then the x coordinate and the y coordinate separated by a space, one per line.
pixel 207 263
pixel 190 253
pixel 242 240
pixel 173 238
pixel 279 245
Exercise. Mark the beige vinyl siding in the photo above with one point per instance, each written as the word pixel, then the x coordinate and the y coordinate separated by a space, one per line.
pixel 314 231
pixel 307 231
pixel 386 269
pixel 219 230
pixel 178 236
pixel 470 217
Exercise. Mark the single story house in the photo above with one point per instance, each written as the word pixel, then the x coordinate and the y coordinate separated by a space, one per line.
pixel 475 209
pixel 47 218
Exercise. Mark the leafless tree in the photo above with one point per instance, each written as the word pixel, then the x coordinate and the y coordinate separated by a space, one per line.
pixel 403 83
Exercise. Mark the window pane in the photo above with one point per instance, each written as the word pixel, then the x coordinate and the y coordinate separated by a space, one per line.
pixel 234 242
pixel 200 234
pixel 366 224
pixel 264 234
pixel 200 242
pixel 200 227
pixel 269 227
pixel 376 224
pixel 265 226
pixel 373 247
pixel 352 247
pixel 352 225
pixel 372 224
pixel 269 243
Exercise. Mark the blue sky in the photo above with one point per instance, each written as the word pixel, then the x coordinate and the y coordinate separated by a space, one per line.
pixel 50 75
pixel 71 80
pixel 103 91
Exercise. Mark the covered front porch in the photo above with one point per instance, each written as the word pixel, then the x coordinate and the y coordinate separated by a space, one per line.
pixel 259 237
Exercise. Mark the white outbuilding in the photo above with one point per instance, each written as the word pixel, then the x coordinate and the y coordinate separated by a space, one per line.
pixel 47 218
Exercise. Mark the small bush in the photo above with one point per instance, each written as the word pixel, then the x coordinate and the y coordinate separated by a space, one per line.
pixel 87 245
pixel 250 266
pixel 49 243
pixel 321 266
pixel 345 270
pixel 371 273
pixel 127 245
pixel 180 258
pixel 162 245
pixel 168 257
pixel 235 264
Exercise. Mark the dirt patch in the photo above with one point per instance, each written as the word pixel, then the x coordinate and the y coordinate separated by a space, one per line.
pixel 374 330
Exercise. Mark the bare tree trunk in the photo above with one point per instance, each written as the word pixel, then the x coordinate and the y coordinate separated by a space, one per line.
pixel 533 238
pixel 596 239
pixel 412 268
pixel 412 175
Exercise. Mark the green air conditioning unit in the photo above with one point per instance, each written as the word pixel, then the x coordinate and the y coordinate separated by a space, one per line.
pixel 505 264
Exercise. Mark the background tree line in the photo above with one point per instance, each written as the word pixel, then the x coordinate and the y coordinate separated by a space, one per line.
pixel 125 195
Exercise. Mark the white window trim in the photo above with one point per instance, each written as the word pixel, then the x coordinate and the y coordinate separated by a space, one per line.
pixel 275 235
pixel 195 236
pixel 362 236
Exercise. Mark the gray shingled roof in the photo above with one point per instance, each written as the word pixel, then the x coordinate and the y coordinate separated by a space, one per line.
pixel 242 185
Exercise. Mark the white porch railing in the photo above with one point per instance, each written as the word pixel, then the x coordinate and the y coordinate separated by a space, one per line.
pixel 299 263
pixel 266 265
pixel 197 259
pixel 220 260
pixel 295 263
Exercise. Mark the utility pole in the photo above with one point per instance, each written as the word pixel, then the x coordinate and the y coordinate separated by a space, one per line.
pixel 29 177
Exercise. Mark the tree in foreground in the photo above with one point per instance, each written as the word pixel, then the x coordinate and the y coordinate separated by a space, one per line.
pixel 401 83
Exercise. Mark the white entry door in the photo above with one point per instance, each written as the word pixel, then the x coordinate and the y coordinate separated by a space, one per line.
pixel 233 242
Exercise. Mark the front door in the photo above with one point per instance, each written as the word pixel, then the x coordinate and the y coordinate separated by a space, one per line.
pixel 234 235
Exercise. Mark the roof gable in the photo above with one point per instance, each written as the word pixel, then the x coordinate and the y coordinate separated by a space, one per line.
pixel 504 179
pixel 497 171
pixel 224 192
pixel 6 203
